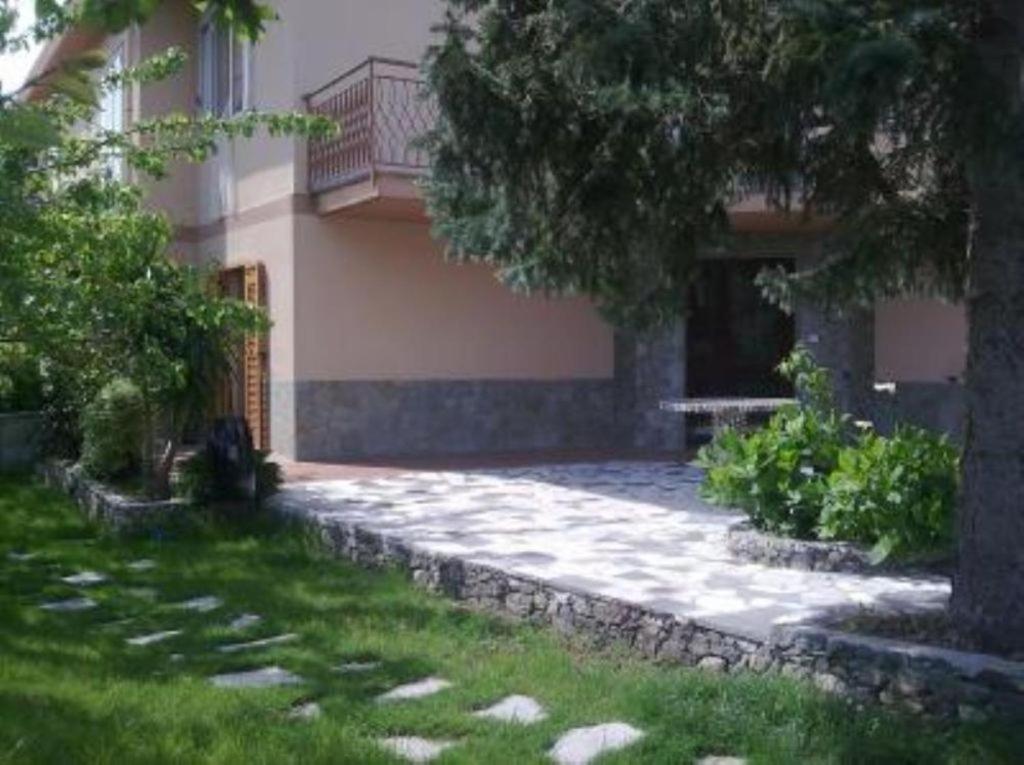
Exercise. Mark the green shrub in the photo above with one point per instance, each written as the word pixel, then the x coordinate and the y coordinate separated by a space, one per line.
pixel 897 494
pixel 268 476
pixel 197 480
pixel 113 429
pixel 778 474
pixel 804 475
pixel 21 381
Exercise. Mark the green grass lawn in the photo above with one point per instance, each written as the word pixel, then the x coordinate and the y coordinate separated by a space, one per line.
pixel 73 691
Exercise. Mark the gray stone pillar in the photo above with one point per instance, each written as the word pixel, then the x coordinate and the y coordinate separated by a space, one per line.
pixel 845 343
pixel 649 368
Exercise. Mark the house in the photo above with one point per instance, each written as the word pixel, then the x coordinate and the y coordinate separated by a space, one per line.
pixel 379 347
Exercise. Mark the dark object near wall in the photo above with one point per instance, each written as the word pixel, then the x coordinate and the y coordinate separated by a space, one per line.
pixel 233 458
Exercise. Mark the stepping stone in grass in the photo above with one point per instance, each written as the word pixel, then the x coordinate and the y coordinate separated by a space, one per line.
pixel 84 579
pixel 143 564
pixel 355 667
pixel 514 709
pixel 414 748
pixel 201 605
pixel 267 677
pixel 721 761
pixel 21 557
pixel 264 643
pixel 421 688
pixel 177 657
pixel 71 604
pixel 155 637
pixel 244 622
pixel 583 745
pixel 118 622
pixel 309 710
pixel 142 593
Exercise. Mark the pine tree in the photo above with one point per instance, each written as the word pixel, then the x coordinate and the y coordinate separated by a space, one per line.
pixel 594 146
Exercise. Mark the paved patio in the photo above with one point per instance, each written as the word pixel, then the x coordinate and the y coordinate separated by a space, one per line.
pixel 636 531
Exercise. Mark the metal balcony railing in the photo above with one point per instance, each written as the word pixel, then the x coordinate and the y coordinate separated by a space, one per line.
pixel 382 108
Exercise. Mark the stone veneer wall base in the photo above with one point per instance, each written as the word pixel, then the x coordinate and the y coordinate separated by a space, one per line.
pixel 924 679
pixel 366 418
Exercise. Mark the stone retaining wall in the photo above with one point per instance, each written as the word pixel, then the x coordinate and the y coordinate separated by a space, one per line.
pixel 103 504
pixel 750 545
pixel 20 437
pixel 864 669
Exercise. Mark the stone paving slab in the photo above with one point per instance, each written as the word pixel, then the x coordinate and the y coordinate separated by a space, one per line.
pixel 254 644
pixel 152 638
pixel 514 709
pixel 310 710
pixel 633 531
pixel 356 667
pixel 143 564
pixel 414 748
pixel 267 677
pixel 244 622
pixel 715 760
pixel 21 557
pixel 71 604
pixel 84 579
pixel 417 690
pixel 581 746
pixel 201 605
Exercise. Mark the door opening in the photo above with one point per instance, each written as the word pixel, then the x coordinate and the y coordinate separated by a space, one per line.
pixel 735 338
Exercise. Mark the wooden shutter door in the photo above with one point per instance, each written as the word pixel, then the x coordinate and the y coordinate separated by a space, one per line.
pixel 254 364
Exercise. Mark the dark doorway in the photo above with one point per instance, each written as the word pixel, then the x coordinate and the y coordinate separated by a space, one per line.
pixel 734 338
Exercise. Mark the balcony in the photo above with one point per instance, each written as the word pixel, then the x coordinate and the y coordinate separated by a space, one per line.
pixel 370 167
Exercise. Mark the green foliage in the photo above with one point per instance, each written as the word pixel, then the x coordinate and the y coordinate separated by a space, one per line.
pixel 811 381
pixel 85 277
pixel 114 427
pixel 806 475
pixel 596 146
pixel 777 474
pixel 896 493
pixel 199 483
pixel 21 380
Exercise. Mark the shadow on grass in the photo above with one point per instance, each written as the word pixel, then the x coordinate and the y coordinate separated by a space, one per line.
pixel 69 679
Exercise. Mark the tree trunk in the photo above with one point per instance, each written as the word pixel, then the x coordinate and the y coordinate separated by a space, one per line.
pixel 988 587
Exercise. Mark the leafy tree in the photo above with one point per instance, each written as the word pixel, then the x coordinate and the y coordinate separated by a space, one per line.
pixel 595 146
pixel 85 280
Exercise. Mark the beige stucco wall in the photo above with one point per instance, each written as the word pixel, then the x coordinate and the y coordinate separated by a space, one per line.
pixel 919 340
pixel 172 24
pixel 271 243
pixel 376 301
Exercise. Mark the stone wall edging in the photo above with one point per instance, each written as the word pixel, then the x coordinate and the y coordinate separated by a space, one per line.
pixel 863 669
pixel 101 503
pixel 750 545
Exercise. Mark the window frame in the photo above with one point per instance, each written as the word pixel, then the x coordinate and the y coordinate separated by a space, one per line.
pixel 209 98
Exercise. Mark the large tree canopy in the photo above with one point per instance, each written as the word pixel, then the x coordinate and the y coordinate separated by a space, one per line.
pixel 595 146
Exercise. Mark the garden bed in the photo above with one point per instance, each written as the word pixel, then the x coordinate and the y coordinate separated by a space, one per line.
pixel 102 503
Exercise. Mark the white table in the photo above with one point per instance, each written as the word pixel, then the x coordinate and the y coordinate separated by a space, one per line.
pixel 726 411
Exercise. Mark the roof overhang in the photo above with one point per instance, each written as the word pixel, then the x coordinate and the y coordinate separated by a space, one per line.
pixel 56 52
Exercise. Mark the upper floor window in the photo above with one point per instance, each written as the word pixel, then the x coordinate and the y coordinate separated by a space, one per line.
pixel 224 70
pixel 110 114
